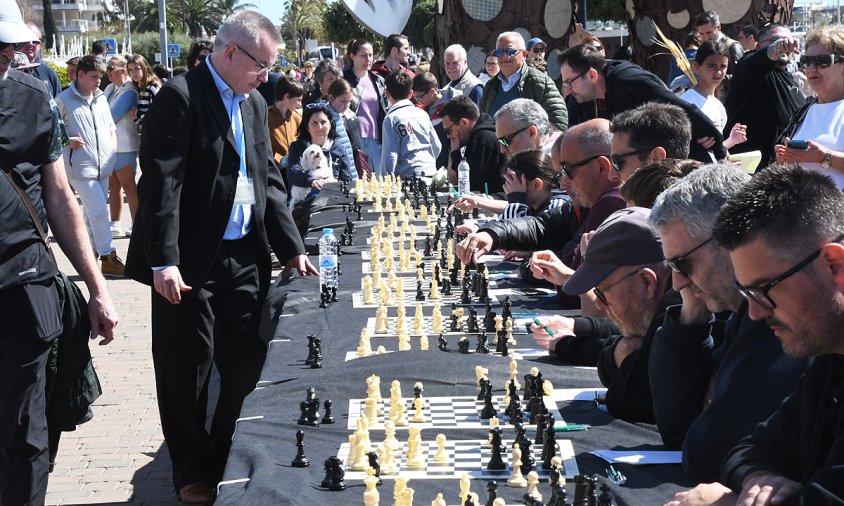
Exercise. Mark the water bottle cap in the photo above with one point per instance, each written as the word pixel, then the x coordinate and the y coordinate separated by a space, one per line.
pixel 327 231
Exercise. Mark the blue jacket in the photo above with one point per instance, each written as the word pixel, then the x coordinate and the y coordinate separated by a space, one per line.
pixel 337 156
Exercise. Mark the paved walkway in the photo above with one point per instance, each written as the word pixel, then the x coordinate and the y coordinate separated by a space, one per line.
pixel 118 457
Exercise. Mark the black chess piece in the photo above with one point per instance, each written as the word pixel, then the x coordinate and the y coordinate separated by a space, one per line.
pixel 560 495
pixel 540 430
pixel 528 461
pixel 373 463
pixel 502 341
pixel 491 492
pixel 465 298
pixel 496 463
pixel 482 347
pixel 312 413
pixel 463 345
pixel 488 410
pixel 454 325
pixel 327 419
pixel 300 460
pixel 337 475
pixel 442 343
pixel 310 359
pixel 334 291
pixel 605 499
pixel 516 413
pixel 417 391
pixel 327 480
pixel 446 286
pixel 476 213
pixel 469 501
pixel 317 362
pixel 420 295
pixel 553 480
pixel 427 251
pixel 343 238
pixel 472 321
pixel 482 385
pixel 303 413
pixel 520 433
pixel 528 380
pixel 581 490
pixel 323 298
pixel 549 445
pixel 360 213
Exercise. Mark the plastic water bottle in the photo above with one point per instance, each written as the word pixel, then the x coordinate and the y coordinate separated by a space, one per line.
pixel 328 259
pixel 463 177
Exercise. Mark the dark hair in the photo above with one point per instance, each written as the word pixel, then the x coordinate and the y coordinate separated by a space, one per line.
pixel 355 45
pixel 424 82
pixel 656 124
pixel 339 87
pixel 709 48
pixel 460 107
pixel 97 47
pixel 707 18
pixel 399 84
pixel 749 30
pixel 533 164
pixel 581 58
pixel 393 41
pixel 645 185
pixel 538 63
pixel 693 38
pixel 197 47
pixel 89 63
pixel 161 71
pixel 790 208
pixel 308 111
pixel 767 29
pixel 290 87
pixel 73 61
pixel 181 69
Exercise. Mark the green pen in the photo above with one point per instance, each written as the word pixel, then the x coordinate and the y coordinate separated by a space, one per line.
pixel 544 327
pixel 570 428
pixel 453 191
pixel 486 189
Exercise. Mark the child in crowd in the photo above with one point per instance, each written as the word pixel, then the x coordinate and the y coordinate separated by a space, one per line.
pixel 710 67
pixel 409 143
pixel 427 94
pixel 284 118
pixel 340 98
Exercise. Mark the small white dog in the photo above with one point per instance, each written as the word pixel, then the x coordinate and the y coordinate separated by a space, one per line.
pixel 315 164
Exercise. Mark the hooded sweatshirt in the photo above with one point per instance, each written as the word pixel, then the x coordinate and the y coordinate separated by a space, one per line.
pixel 483 156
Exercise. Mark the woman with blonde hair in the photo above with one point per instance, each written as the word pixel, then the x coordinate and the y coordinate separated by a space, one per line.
pixel 147 83
pixel 122 98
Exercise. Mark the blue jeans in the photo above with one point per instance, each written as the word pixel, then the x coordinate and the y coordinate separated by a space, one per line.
pixel 372 148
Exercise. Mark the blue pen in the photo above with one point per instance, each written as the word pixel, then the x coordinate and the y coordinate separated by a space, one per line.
pixel 544 327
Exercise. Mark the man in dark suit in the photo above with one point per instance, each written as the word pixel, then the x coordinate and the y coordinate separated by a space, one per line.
pixel 212 202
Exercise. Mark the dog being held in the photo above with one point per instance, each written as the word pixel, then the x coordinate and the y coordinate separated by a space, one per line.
pixel 315 165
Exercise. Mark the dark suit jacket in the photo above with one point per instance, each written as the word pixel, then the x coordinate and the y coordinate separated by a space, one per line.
pixel 190 169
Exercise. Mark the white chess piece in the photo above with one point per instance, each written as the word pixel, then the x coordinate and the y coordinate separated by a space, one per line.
pixel 390 435
pixel 364 343
pixel 441 457
pixel 399 487
pixel 367 290
pixel 370 410
pixel 370 495
pixel 514 372
pixel 533 481
pixel 480 372
pixel 465 485
pixel 381 319
pixel 389 465
pixel 423 342
pixel 516 479
pixel 404 342
pixel 439 501
pixel 414 456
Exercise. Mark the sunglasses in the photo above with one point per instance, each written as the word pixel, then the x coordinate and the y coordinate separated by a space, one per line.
pixel 505 141
pixel 618 160
pixel 568 169
pixel 821 61
pixel 538 50
pixel 322 104
pixel 601 294
pixel 677 263
pixel 759 294
pixel 567 84
pixel 510 52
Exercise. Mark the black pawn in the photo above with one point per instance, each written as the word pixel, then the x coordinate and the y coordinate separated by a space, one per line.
pixel 442 343
pixel 334 291
pixel 492 492
pixel 327 419
pixel 300 460
pixel 605 499
pixel 310 359
pixel 560 495
pixel 482 383
pixel 463 345
pixel 317 362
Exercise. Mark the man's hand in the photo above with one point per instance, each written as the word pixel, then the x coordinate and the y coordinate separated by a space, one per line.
pixel 562 327
pixel 704 494
pixel 762 488
pixel 473 247
pixel 169 284
pixel 466 203
pixel 103 317
pixel 694 310
pixel 516 255
pixel 514 183
pixel 545 265
pixel 301 264
pixel 466 228
pixel 781 49
pixel 76 142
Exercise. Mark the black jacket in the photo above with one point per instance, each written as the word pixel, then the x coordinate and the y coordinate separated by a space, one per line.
pixel 629 86
pixel 558 229
pixel 483 156
pixel 628 386
pixel 749 363
pixel 803 440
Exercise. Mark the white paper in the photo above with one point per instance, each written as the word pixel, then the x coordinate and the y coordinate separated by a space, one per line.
pixel 577 394
pixel 638 457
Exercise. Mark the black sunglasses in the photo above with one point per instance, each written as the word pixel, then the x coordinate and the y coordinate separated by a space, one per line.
pixel 601 294
pixel 759 294
pixel 511 52
pixel 569 168
pixel 505 141
pixel 617 160
pixel 821 61
pixel 676 263
pixel 538 50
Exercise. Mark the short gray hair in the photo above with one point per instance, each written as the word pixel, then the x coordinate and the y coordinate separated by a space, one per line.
pixel 513 35
pixel 525 112
pixel 594 141
pixel 696 199
pixel 456 48
pixel 245 28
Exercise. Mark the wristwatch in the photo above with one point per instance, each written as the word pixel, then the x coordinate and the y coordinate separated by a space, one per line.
pixel 827 160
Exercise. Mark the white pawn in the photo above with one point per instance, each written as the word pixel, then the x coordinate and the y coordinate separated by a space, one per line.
pixel 370 495
pixel 439 501
pixel 533 481
pixel 367 290
pixel 418 417
pixel 441 457
pixel 498 502
pixel 423 343
pixel 516 479
pixel 390 435
pixel 514 373
pixel 465 485
pixel 404 342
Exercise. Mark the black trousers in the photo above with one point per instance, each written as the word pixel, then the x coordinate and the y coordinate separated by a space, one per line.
pixel 216 322
pixel 30 318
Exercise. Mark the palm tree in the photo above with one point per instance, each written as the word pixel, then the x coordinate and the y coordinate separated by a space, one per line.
pixel 197 16
pixel 229 7
pixel 303 18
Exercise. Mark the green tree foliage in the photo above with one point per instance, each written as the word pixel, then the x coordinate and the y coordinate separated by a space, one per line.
pixel 149 43
pixel 62 73
pixel 303 18
pixel 420 26
pixel 342 28
pixel 606 10
pixel 196 17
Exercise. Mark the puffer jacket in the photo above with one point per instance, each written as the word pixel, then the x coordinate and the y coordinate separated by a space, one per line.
pixel 537 86
pixel 92 122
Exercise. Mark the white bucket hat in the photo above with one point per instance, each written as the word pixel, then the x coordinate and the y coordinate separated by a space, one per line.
pixel 12 27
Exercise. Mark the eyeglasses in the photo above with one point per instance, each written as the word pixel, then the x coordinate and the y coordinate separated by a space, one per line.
pixel 505 141
pixel 21 45
pixel 447 128
pixel 601 295
pixel 491 63
pixel 618 159
pixel 322 104
pixel 262 67
pixel 569 168
pixel 510 52
pixel 567 84
pixel 759 294
pixel 537 50
pixel 821 61
pixel 676 263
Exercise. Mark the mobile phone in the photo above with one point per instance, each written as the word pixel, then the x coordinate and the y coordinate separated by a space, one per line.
pixel 795 144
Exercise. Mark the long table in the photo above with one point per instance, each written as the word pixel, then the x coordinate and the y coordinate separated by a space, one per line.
pixel 259 469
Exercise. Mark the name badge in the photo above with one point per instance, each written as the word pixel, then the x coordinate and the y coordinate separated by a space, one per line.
pixel 244 194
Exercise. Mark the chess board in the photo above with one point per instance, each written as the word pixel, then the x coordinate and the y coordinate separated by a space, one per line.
pixel 519 326
pixel 462 412
pixel 518 353
pixel 467 456
pixel 410 299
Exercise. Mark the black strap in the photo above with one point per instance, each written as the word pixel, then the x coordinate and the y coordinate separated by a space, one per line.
pixel 28 203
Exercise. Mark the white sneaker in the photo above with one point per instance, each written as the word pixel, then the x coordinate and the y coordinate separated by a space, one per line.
pixel 129 230
pixel 116 229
